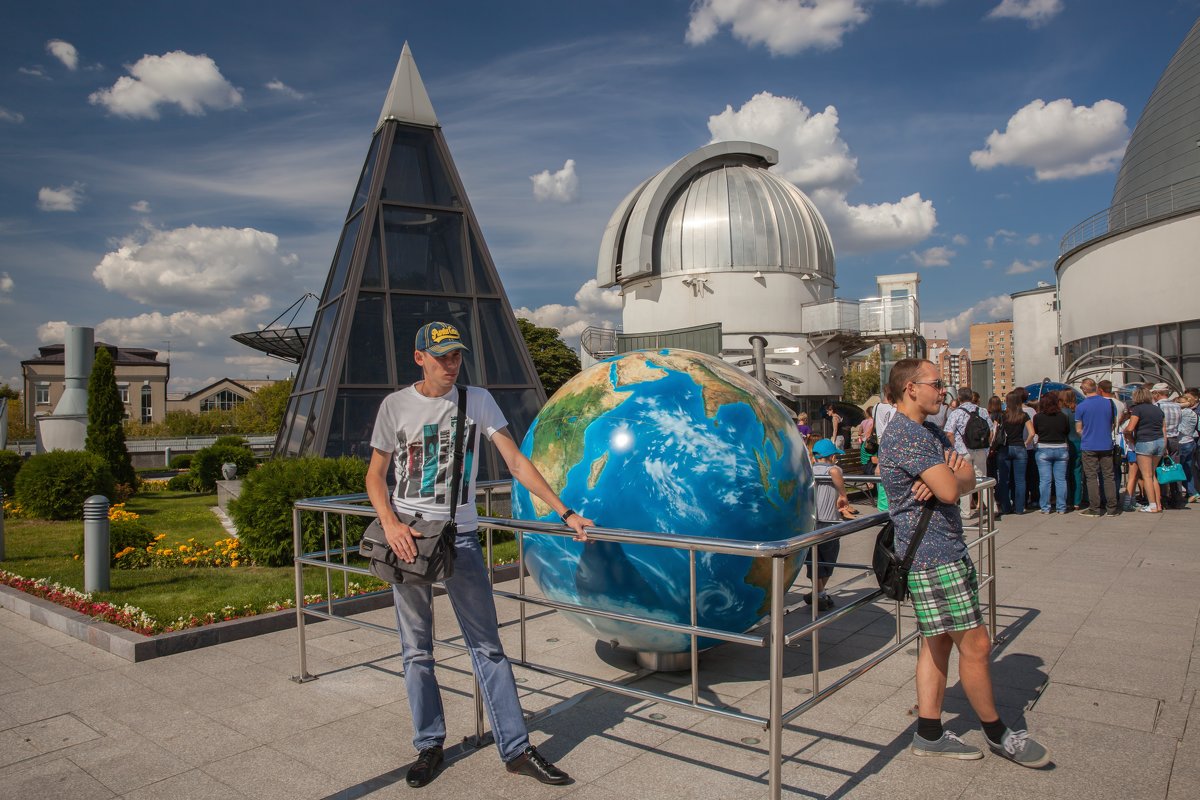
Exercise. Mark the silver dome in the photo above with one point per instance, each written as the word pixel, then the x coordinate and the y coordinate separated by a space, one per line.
pixel 716 209
pixel 1165 147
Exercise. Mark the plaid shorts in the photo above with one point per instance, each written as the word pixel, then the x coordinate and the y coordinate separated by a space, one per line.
pixel 946 598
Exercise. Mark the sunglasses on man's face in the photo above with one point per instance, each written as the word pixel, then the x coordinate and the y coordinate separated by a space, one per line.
pixel 939 384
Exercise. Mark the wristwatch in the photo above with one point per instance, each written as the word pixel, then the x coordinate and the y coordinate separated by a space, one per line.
pixel 566 515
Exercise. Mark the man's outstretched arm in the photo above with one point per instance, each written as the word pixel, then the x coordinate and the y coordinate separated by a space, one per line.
pixel 528 476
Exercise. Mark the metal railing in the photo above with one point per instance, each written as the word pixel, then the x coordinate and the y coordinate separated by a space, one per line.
pixel 866 317
pixel 1145 208
pixel 772 636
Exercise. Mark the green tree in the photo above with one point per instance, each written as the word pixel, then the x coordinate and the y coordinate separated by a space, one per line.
pixel 17 429
pixel 263 413
pixel 554 361
pixel 860 384
pixel 106 413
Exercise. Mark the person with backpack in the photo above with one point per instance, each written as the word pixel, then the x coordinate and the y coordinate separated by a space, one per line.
pixel 970 431
pixel 1094 421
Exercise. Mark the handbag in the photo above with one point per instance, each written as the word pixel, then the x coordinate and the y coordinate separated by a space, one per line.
pixel 435 545
pixel 890 570
pixel 871 445
pixel 1170 471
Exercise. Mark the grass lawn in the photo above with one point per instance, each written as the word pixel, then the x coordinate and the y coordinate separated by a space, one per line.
pixel 47 549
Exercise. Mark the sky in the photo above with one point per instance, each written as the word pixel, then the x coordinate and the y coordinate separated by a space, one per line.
pixel 172 174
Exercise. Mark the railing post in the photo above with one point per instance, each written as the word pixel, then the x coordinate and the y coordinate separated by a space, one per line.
pixel 298 550
pixel 96 554
pixel 775 714
pixel 1 524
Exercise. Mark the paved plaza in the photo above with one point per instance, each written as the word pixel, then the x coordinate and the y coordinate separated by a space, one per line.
pixel 1098 624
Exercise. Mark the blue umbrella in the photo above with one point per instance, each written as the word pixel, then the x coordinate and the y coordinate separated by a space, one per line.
pixel 1035 390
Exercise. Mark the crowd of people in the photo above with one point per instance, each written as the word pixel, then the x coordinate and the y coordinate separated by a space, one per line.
pixel 1096 455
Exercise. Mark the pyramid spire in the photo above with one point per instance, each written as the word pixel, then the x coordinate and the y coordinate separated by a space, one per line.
pixel 407 100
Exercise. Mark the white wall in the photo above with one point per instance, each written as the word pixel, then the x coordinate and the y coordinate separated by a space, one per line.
pixel 1035 337
pixel 1141 277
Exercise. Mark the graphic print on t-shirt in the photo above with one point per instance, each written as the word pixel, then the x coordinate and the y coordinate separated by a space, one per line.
pixel 426 464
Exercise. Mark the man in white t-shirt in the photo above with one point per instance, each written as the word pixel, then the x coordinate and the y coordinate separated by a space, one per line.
pixel 413 434
pixel 971 443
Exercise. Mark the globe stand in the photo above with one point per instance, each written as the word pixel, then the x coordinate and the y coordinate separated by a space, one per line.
pixel 664 662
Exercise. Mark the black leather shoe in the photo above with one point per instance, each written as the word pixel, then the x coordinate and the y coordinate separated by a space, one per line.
pixel 535 765
pixel 424 769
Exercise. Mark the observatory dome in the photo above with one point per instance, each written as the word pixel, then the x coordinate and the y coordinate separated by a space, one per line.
pixel 717 209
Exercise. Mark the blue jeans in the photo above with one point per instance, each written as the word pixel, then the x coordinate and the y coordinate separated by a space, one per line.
pixel 1186 453
pixel 1010 478
pixel 471 597
pixel 1052 463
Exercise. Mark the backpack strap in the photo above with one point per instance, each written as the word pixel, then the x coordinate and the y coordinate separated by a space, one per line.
pixel 456 475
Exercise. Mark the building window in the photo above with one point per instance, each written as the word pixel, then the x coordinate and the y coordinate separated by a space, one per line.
pixel 123 388
pixel 147 405
pixel 41 394
pixel 224 400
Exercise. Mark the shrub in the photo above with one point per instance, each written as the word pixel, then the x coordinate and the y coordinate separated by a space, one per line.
pixel 123 533
pixel 185 482
pixel 181 461
pixel 105 434
pixel 54 485
pixel 231 441
pixel 206 464
pixel 10 465
pixel 263 512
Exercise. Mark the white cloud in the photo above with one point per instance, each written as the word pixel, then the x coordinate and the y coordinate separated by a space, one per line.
pixel 813 155
pixel 933 257
pixel 1035 12
pixel 6 288
pixel 786 27
pixel 194 83
pixel 1033 239
pixel 64 52
pixel 958 326
pixel 1003 236
pixel 594 307
pixel 1059 139
pixel 141 206
pixel 1021 267
pixel 36 71
pixel 959 239
pixel 64 198
pixel 11 116
pixel 194 266
pixel 197 329
pixel 560 187
pixel 282 88
pixel 988 263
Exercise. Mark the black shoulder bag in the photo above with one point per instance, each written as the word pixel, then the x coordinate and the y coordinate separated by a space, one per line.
pixel 435 545
pixel 890 570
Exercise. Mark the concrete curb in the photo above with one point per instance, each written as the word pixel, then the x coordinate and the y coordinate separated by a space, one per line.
pixel 135 647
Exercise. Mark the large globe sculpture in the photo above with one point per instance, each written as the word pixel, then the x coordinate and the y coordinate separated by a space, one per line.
pixel 672 442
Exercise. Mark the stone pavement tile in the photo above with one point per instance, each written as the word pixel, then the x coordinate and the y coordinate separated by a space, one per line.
pixel 261 648
pixel 50 778
pixel 1175 610
pixel 1185 773
pixel 661 775
pixel 267 774
pixel 836 714
pixel 93 657
pixel 187 734
pixel 55 733
pixel 346 642
pixel 367 685
pixel 191 785
pixel 618 720
pixel 277 717
pixel 240 676
pixel 127 762
pixel 1173 717
pixel 41 664
pixel 39 702
pixel 1109 708
pixel 175 681
pixel 593 792
pixel 1176 648
pixel 353 749
pixel 1099 669
pixel 15 748
pixel 12 680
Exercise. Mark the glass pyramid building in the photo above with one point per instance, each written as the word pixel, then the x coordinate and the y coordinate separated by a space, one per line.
pixel 410 252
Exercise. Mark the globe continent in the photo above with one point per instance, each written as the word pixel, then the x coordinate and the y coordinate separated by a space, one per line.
pixel 671 442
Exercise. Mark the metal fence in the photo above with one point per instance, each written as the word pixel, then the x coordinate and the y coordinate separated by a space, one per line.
pixel 1130 214
pixel 773 636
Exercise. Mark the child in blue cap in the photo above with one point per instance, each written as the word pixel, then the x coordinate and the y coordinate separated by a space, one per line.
pixel 831 500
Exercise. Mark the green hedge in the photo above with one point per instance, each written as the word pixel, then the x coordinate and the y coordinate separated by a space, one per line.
pixel 54 485
pixel 185 482
pixel 263 511
pixel 231 441
pixel 181 461
pixel 10 465
pixel 206 464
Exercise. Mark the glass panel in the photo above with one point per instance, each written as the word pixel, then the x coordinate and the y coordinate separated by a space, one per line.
pixel 282 437
pixel 296 432
pixel 314 417
pixel 520 406
pixel 364 180
pixel 424 251
pixel 502 352
pixel 1168 336
pixel 415 173
pixel 372 273
pixel 337 276
pixel 1150 338
pixel 1191 370
pixel 1191 338
pixel 409 313
pixel 352 422
pixel 366 353
pixel 318 347
pixel 483 271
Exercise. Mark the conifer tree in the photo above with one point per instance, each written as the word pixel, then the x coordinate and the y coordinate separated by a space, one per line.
pixel 106 412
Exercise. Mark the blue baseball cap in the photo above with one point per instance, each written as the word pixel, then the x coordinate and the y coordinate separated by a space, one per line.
pixel 439 338
pixel 826 448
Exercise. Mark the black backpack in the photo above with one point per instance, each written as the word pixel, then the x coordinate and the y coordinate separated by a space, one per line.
pixel 977 435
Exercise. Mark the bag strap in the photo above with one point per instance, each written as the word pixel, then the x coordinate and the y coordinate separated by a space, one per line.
pixel 459 469
pixel 922 526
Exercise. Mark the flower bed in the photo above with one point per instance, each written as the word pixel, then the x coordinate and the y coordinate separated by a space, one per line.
pixel 135 619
